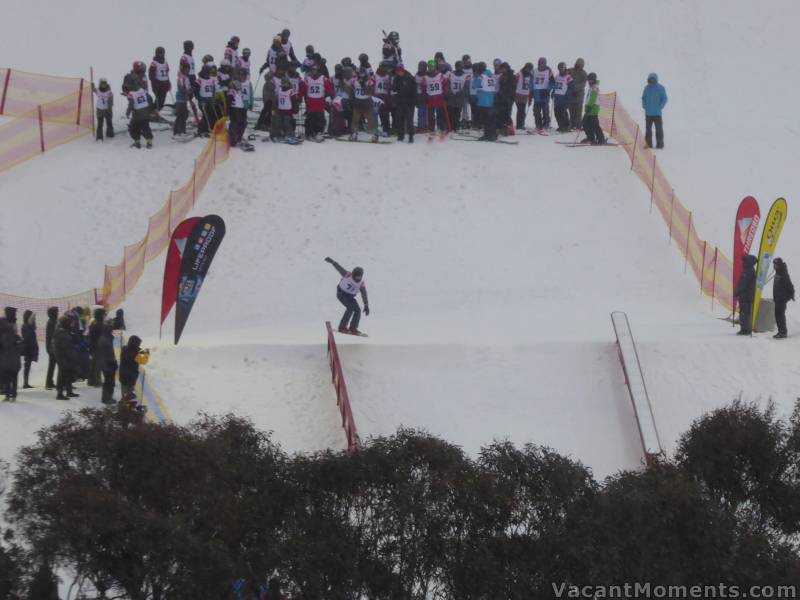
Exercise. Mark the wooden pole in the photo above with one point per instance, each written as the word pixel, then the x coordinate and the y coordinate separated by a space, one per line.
pixel 91 79
pixel 688 235
pixel 671 209
pixel 613 114
pixel 653 184
pixel 703 268
pixel 41 129
pixel 80 103
pixel 635 140
pixel 714 281
pixel 5 90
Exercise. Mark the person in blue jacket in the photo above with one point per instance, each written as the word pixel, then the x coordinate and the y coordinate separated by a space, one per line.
pixel 486 88
pixel 654 99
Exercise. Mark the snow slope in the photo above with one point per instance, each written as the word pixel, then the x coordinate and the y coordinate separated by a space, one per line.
pixel 492 269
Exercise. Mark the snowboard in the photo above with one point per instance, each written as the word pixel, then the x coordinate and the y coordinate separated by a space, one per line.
pixel 359 334
pixel 474 139
pixel 347 139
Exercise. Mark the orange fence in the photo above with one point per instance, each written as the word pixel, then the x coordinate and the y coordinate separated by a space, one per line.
pixel 713 270
pixel 48 111
pixel 121 279
pixel 342 397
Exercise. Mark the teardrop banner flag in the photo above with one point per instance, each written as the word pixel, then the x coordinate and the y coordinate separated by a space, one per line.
pixel 201 246
pixel 744 232
pixel 172 268
pixel 769 240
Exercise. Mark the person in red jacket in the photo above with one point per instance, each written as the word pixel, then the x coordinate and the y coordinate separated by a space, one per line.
pixel 435 90
pixel 159 77
pixel 316 89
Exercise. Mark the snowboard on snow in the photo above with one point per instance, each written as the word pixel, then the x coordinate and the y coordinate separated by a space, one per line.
pixel 359 334
pixel 475 139
pixel 369 141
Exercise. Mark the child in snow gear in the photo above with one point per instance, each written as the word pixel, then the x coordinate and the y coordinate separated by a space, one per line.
pixel 435 89
pixel 654 99
pixel 561 94
pixel 350 285
pixel 139 105
pixel 486 86
pixel 543 84
pixel 577 93
pixel 362 105
pixel 782 292
pixel 317 90
pixel 238 110
pixel 207 88
pixel 522 94
pixel 591 120
pixel 159 77
pixel 284 110
pixel 383 90
pixel 104 108
pixel 506 87
pixel 457 80
pixel 128 365
pixel 745 293
pixel 422 115
pixel 188 59
pixel 183 91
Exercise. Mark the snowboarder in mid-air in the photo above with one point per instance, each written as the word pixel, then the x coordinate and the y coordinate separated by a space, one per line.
pixel 351 284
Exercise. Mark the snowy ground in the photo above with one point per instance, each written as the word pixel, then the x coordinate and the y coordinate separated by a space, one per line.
pixel 492 270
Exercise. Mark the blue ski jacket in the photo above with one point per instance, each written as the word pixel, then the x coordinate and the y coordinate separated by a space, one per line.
pixel 485 97
pixel 654 97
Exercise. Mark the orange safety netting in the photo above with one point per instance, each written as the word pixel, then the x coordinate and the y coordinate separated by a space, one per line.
pixel 120 279
pixel 714 270
pixel 48 111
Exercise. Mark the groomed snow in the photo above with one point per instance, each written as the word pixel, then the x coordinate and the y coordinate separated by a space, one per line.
pixel 492 270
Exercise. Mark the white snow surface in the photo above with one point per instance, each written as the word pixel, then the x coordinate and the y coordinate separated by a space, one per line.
pixel 491 269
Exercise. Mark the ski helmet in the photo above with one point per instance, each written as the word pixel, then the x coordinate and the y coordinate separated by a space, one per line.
pixel 422 66
pixel 160 51
pixel 242 72
pixel 188 46
pixel 138 67
pixel 528 67
pixel 562 65
pixel 337 69
pixel 234 41
pixel 591 77
pixel 277 40
pixel 208 59
pixel 394 37
pixel 542 61
pixel 459 65
pixel 286 33
pixel 579 63
pixel 347 61
pixel 358 273
pixel 309 50
pixel 246 52
pixel 362 58
pixel 431 64
pixel 103 80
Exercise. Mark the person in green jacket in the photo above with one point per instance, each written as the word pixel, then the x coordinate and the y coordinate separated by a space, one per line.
pixel 591 120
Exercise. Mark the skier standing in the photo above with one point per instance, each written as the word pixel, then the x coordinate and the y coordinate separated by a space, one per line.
pixel 383 89
pixel 393 40
pixel 654 99
pixel 507 83
pixel 362 105
pixel 435 87
pixel 10 358
pixel 159 77
pixel 351 284
pixel 104 108
pixel 275 51
pixel 745 293
pixel 139 106
pixel 522 96
pixel 286 46
pixel 561 94
pixel 238 110
pixel 207 88
pixel 128 365
pixel 243 62
pixel 457 81
pixel 577 94
pixel 317 89
pixel 422 115
pixel 30 346
pixel 782 292
pixel 282 119
pixel 543 83
pixel 49 332
pixel 67 358
pixel 95 329
pixel 486 86
pixel 107 361
pixel 591 120
pixel 183 91
pixel 231 53
pixel 188 59
pixel 404 94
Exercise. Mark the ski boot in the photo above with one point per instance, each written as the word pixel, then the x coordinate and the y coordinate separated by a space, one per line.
pixel 136 144
pixel 149 144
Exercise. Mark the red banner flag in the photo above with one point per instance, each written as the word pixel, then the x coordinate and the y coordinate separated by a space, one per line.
pixel 172 268
pixel 744 232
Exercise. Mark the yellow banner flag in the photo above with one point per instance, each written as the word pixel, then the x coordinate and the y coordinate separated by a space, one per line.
pixel 773 225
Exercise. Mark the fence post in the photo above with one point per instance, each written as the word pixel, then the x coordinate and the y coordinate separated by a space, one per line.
pixel 714 281
pixel 671 208
pixel 653 183
pixel 80 103
pixel 613 112
pixel 688 235
pixel 5 90
pixel 635 140
pixel 41 129
pixel 91 95
pixel 703 268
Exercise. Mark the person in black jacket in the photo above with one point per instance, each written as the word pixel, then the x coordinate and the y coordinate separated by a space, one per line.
pixel 30 346
pixel 404 90
pixel 119 320
pixel 782 292
pixel 128 367
pixel 107 361
pixel 745 292
pixel 505 97
pixel 66 357
pixel 50 330
pixel 95 329
pixel 10 358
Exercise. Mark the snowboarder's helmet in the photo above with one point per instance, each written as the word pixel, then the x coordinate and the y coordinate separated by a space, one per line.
pixel 286 33
pixel 138 67
pixel 528 66
pixel 235 40
pixel 562 65
pixel 466 58
pixel 431 65
pixel 188 46
pixel 394 37
pixel 347 61
pixel 579 63
pixel 309 49
pixel 103 80
pixel 208 59
pixel 277 40
pixel 358 273
pixel 246 52
pixel 362 58
pixel 459 65
pixel 542 61
pixel 160 51
pixel 591 77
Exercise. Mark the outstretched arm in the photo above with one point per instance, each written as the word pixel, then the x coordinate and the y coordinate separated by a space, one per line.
pixel 365 299
pixel 342 271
